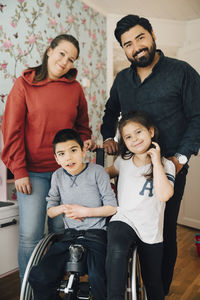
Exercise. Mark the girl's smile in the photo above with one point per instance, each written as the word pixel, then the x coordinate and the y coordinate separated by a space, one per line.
pixel 137 137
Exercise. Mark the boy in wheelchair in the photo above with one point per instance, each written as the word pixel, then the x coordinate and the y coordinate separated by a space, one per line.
pixel 81 192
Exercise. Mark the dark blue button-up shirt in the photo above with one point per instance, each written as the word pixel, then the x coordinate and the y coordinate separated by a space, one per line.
pixel 170 94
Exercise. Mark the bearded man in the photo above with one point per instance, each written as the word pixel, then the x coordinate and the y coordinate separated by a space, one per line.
pixel 169 90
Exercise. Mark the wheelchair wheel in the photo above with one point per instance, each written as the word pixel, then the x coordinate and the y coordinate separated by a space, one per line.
pixel 38 253
pixel 135 287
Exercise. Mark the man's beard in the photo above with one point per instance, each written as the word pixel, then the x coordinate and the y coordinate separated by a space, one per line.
pixel 145 60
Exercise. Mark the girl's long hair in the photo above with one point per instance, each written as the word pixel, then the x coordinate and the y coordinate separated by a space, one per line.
pixel 143 119
pixel 41 71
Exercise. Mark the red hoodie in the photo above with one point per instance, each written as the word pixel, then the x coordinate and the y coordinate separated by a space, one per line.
pixel 34 112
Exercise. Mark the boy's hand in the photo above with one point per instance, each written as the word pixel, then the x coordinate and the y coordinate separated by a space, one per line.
pixel 74 211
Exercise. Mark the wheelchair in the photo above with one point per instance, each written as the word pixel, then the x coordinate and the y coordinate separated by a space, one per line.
pixel 135 289
pixel 72 287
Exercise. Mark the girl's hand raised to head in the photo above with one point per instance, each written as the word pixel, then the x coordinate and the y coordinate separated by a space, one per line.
pixel 154 153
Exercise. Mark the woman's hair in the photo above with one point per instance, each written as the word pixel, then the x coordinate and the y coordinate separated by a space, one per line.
pixel 136 117
pixel 41 71
pixel 129 21
pixel 66 135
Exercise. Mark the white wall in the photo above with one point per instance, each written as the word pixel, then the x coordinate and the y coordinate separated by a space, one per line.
pixel 190 51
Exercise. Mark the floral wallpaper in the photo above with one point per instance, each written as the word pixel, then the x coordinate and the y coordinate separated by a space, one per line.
pixel 27 27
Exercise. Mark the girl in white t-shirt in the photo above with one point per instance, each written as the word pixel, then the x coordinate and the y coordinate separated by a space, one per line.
pixel 145 183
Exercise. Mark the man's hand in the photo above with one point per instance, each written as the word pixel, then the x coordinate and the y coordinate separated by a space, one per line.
pixel 23 185
pixel 110 147
pixel 176 163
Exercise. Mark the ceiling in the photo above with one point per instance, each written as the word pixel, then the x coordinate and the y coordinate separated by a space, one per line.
pixel 181 10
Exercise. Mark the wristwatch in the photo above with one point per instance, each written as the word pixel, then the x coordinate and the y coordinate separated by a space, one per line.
pixel 109 139
pixel 182 159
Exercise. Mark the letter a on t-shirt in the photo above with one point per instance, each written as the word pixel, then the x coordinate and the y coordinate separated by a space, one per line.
pixel 148 186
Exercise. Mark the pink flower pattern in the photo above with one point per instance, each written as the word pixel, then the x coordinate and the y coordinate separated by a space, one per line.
pixel 3 66
pixel 85 70
pixel 12 24
pixel 52 22
pixel 31 39
pixel 7 44
pixel 99 66
pixel 70 19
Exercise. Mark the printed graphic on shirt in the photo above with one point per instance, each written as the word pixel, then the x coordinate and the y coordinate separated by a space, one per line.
pixel 148 186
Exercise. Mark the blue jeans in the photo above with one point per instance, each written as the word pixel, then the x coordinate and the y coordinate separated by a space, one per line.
pixel 32 216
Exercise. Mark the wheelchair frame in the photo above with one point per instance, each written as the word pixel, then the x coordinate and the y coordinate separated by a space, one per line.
pixel 36 256
pixel 135 289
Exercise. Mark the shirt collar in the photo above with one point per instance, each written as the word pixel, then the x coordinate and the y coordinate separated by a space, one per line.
pixel 70 175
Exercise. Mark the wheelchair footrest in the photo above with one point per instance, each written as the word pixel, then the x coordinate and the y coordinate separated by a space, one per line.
pixel 84 291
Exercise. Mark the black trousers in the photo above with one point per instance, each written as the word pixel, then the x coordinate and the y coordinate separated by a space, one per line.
pixel 46 276
pixel 170 225
pixel 120 238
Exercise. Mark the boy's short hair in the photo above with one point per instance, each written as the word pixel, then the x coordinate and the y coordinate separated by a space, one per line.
pixel 65 135
pixel 128 22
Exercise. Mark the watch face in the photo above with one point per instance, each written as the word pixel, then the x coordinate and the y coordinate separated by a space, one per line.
pixel 182 159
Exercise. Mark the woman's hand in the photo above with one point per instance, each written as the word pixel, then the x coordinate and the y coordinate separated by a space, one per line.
pixel 23 185
pixel 90 145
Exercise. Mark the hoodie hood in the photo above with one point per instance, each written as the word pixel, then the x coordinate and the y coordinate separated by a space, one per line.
pixel 28 76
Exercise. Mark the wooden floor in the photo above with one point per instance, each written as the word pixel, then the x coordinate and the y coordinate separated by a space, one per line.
pixel 186 280
pixel 185 285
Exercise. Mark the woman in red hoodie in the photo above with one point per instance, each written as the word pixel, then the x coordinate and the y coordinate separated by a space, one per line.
pixel 45 99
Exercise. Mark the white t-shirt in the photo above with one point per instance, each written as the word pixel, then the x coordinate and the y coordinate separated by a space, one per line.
pixel 138 206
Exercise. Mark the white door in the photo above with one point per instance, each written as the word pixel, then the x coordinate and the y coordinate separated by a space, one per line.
pixel 189 214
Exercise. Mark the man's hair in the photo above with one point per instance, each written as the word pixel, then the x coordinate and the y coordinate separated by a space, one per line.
pixel 128 22
pixel 66 135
